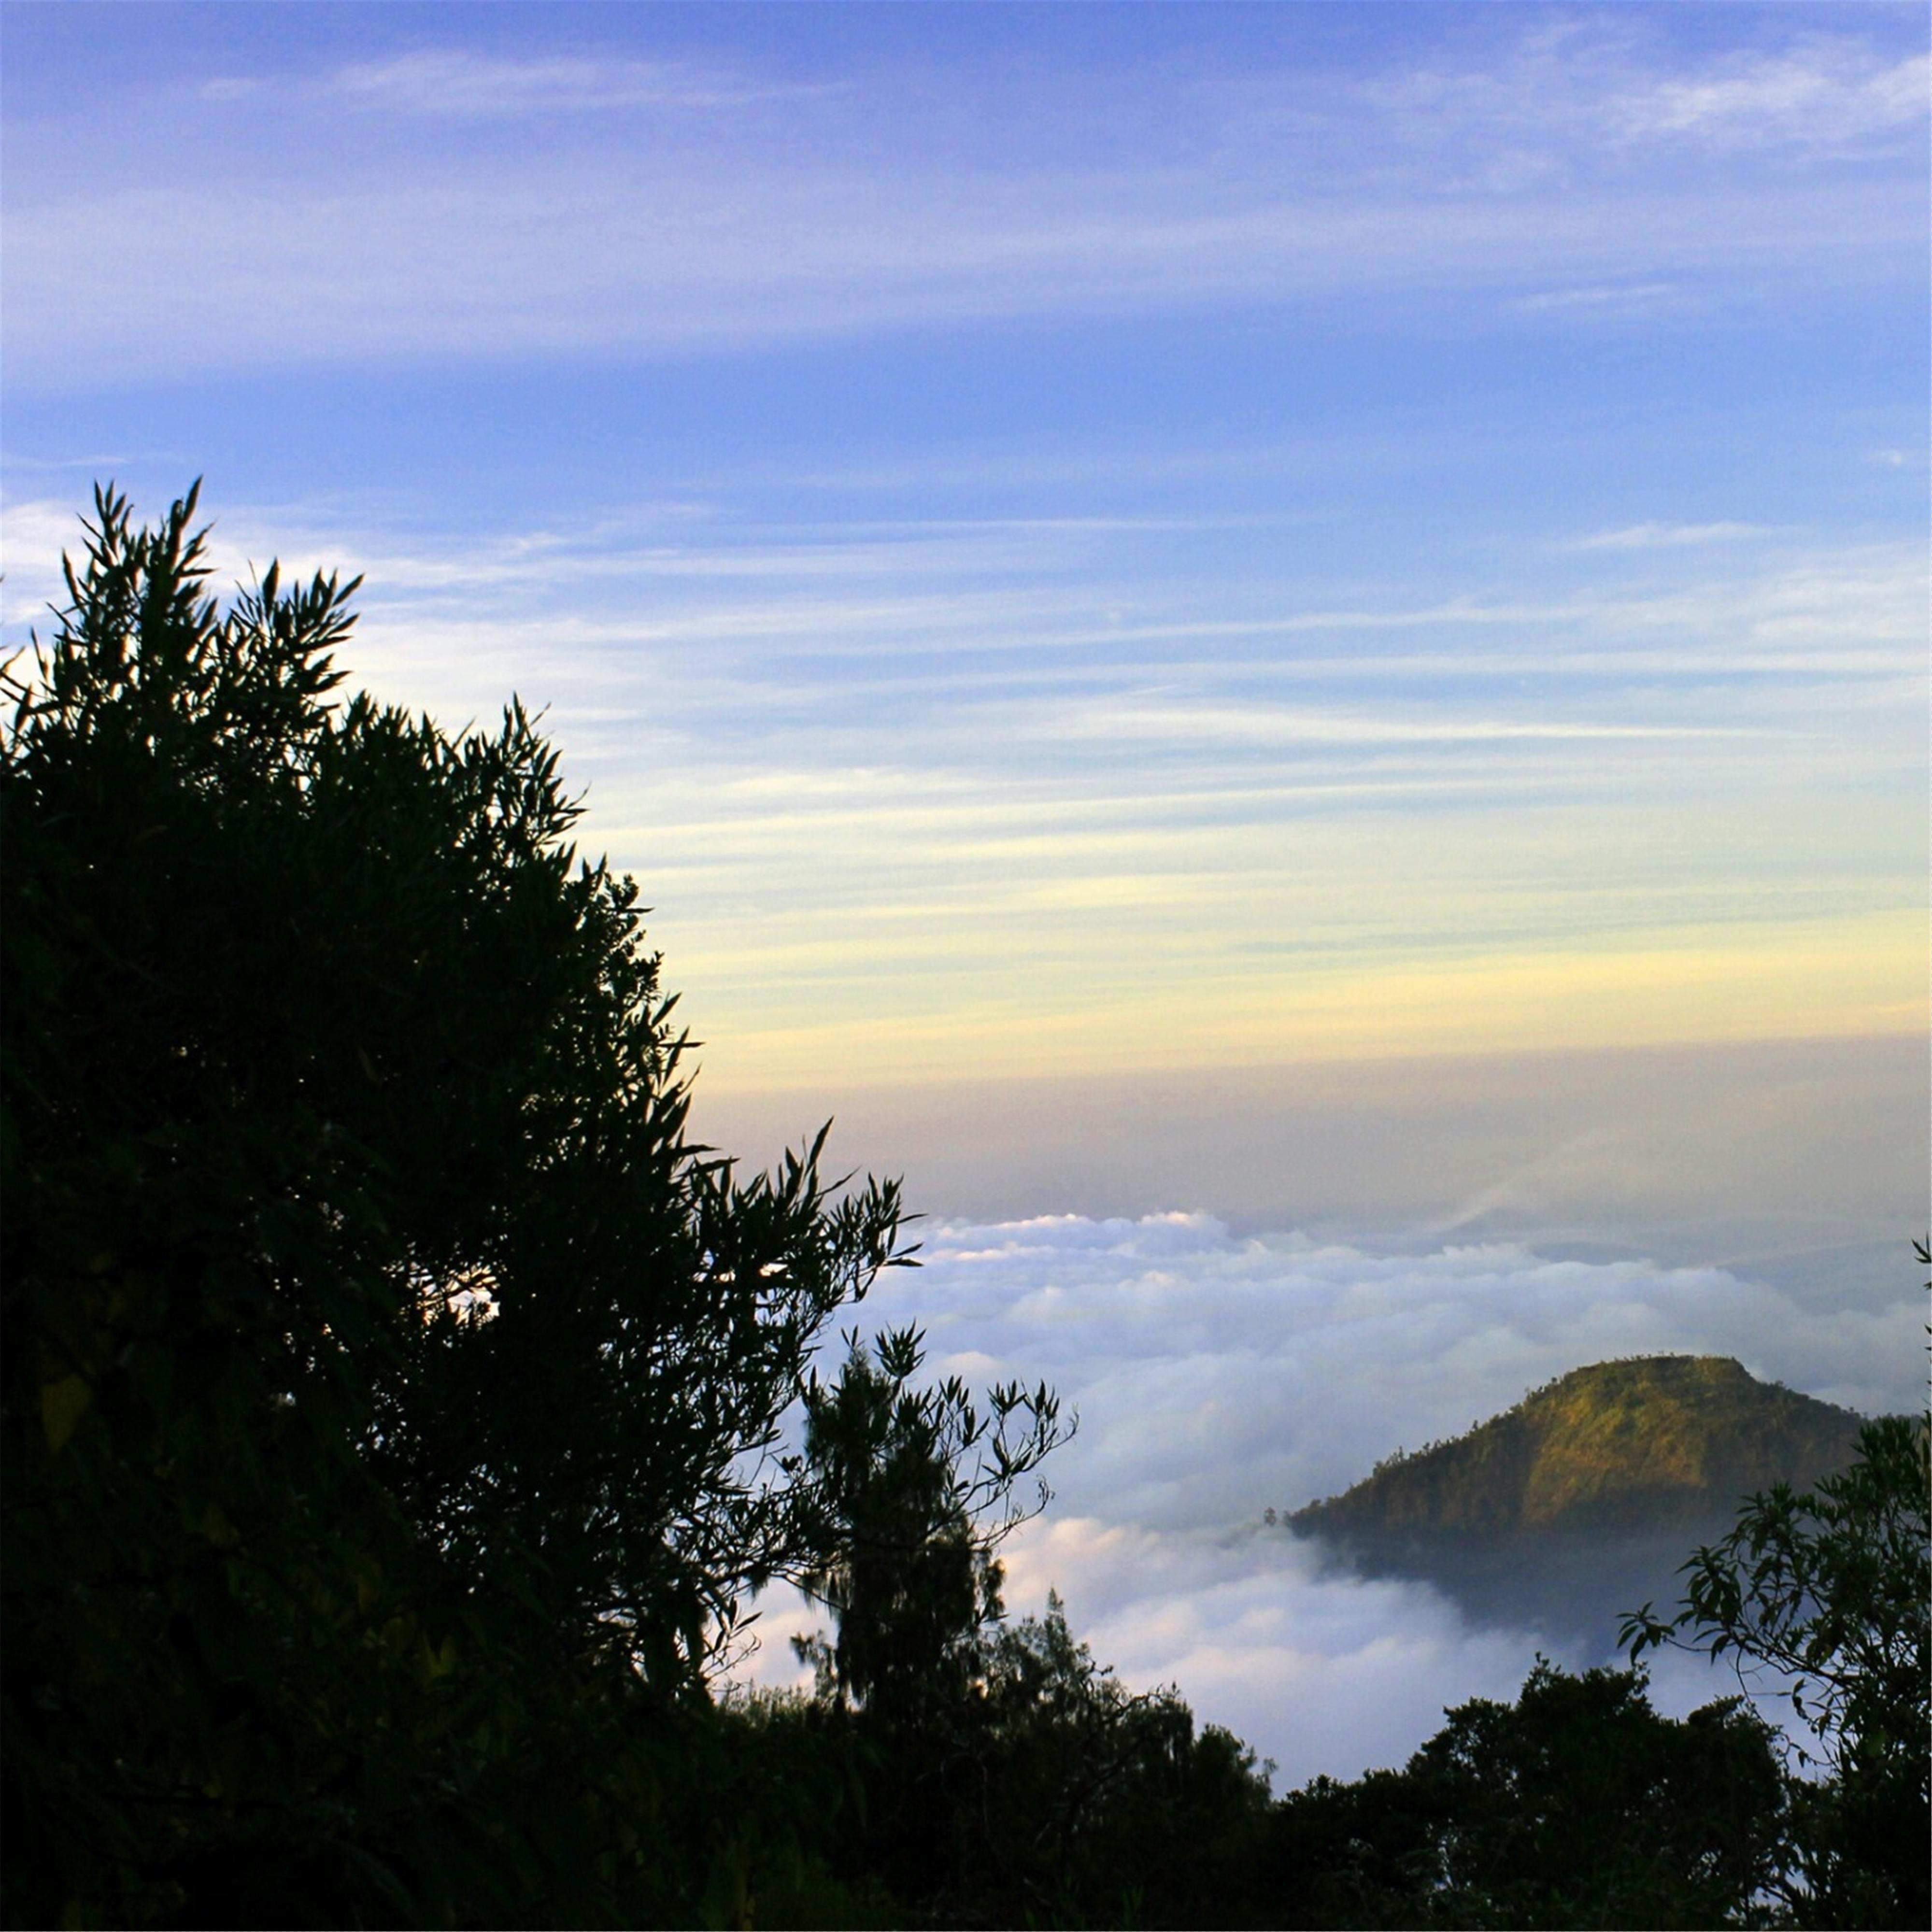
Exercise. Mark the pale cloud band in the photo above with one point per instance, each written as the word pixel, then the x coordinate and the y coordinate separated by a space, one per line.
pixel 905 807
pixel 441 200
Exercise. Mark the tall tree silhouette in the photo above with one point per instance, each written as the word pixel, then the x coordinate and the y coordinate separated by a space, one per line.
pixel 915 1487
pixel 383 1366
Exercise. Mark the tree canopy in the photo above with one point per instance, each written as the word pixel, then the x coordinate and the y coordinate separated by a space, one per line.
pixel 1578 1804
pixel 382 1358
pixel 1825 1597
pixel 914 1490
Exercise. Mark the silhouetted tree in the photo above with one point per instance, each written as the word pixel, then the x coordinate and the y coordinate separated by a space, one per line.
pixel 383 1366
pixel 1830 1591
pixel 1577 1805
pixel 1105 1805
pixel 913 1488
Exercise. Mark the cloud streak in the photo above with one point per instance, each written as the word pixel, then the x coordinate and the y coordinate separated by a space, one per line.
pixel 1563 159
pixel 1826 94
pixel 461 82
pixel 863 771
pixel 1671 536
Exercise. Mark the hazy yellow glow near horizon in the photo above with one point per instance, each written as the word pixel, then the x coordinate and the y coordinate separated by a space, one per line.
pixel 1827 980
pixel 929 856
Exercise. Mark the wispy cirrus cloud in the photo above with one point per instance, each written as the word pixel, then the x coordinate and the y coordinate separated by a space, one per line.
pixel 1281 726
pixel 1672 536
pixel 1591 93
pixel 459 82
pixel 832 752
pixel 1615 301
pixel 1543 175
pixel 1828 94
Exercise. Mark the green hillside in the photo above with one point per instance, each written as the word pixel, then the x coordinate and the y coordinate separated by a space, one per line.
pixel 1663 1445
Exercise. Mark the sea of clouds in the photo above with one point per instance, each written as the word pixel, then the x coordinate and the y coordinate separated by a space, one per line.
pixel 1217 1375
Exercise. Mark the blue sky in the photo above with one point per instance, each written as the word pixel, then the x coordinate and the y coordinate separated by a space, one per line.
pixel 1068 542
pixel 1071 543
pixel 1308 614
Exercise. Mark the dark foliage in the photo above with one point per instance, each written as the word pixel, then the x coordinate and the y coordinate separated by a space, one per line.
pixel 1106 1805
pixel 1002 1776
pixel 1045 1792
pixel 911 1489
pixel 381 1361
pixel 1578 1805
pixel 1830 1590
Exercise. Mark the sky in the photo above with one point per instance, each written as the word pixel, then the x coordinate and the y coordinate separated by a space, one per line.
pixel 1310 618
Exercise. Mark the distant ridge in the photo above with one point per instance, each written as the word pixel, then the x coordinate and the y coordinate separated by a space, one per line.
pixel 1581 1500
pixel 1661 1440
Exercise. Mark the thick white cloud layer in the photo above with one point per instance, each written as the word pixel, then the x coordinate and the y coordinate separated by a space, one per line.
pixel 1216 1376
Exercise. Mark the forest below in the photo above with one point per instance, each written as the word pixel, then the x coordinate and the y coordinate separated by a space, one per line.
pixel 402 1412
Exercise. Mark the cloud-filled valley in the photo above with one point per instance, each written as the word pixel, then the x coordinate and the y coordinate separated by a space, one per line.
pixel 1217 1375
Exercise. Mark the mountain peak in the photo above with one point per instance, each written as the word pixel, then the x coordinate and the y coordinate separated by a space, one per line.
pixel 1654 1443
